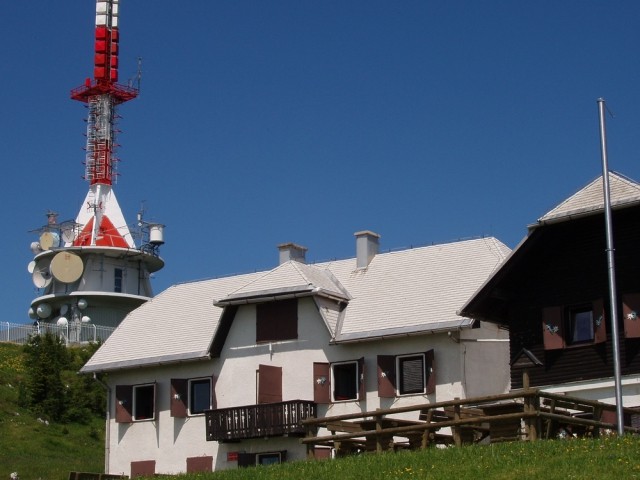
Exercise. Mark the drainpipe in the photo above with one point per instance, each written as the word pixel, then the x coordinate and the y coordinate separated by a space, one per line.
pixel 107 436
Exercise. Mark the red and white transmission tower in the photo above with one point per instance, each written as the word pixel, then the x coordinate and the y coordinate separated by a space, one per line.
pixel 90 269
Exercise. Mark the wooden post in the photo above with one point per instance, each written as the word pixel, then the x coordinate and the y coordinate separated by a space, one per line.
pixel 457 438
pixel 311 431
pixel 379 447
pixel 426 432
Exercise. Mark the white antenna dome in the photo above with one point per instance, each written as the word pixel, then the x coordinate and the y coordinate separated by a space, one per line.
pixel 62 322
pixel 43 310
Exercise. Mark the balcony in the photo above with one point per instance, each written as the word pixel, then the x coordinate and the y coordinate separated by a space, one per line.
pixel 258 421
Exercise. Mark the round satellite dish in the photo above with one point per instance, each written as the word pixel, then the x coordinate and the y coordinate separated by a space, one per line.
pixel 62 322
pixel 85 319
pixel 49 240
pixel 43 310
pixel 32 314
pixel 66 267
pixel 35 248
pixel 68 235
pixel 41 275
pixel 31 267
pixel 64 309
pixel 82 304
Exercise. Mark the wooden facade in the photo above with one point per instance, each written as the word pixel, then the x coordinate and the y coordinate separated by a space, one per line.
pixel 558 267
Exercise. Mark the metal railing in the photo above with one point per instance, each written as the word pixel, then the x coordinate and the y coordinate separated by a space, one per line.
pixel 258 421
pixel 71 333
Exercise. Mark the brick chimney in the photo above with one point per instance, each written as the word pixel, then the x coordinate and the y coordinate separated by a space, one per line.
pixel 367 244
pixel 292 251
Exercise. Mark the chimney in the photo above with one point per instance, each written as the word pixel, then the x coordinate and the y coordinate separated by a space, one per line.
pixel 367 244
pixel 292 251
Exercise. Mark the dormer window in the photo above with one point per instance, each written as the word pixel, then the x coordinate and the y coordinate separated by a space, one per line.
pixel 276 321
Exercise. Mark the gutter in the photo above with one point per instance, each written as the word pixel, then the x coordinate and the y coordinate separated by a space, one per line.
pixel 107 436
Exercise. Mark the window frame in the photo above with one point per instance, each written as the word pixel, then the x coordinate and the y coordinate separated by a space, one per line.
pixel 277 321
pixel 558 325
pixel 135 400
pixel 324 381
pixel 400 360
pixel 335 384
pixel 118 279
pixel 181 396
pixel 126 397
pixel 191 399
pixel 389 374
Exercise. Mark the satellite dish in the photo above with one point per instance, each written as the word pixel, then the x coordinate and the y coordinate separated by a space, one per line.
pixel 49 240
pixel 32 314
pixel 85 319
pixel 43 310
pixel 82 304
pixel 41 275
pixel 62 322
pixel 35 248
pixel 31 267
pixel 68 235
pixel 66 267
pixel 64 309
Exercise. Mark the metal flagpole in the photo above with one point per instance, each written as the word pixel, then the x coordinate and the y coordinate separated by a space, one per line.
pixel 611 268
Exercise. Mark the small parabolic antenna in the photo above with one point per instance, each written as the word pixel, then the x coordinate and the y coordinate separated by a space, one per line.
pixel 68 235
pixel 49 240
pixel 66 267
pixel 31 267
pixel 41 275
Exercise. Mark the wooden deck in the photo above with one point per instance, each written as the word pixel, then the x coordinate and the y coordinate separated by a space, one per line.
pixel 528 414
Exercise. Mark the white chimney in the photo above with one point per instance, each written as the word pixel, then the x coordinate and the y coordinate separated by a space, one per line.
pixel 367 244
pixel 292 251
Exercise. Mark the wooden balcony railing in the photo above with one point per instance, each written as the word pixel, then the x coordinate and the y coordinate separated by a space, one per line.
pixel 258 421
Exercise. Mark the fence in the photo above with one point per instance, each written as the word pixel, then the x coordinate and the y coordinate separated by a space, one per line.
pixel 71 334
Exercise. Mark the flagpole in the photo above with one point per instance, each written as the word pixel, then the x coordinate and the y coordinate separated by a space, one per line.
pixel 611 269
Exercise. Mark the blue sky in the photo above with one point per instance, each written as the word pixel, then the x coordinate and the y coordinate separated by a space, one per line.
pixel 263 122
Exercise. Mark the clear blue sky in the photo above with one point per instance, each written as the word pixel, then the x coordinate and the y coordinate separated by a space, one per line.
pixel 263 122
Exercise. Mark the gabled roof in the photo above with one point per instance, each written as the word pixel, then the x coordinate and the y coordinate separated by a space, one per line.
pixel 290 278
pixel 590 199
pixel 406 292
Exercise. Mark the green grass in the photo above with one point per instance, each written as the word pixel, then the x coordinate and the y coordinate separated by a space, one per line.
pixel 606 458
pixel 36 450
pixel 39 451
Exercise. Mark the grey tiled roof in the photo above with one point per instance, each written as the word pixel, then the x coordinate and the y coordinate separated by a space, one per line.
pixel 413 291
pixel 590 199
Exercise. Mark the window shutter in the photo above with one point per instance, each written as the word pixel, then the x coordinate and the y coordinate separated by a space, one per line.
pixel 552 331
pixel 429 360
pixel 214 401
pixel 269 384
pixel 199 464
pixel 631 314
pixel 144 468
pixel 386 376
pixel 277 321
pixel 599 322
pixel 179 397
pixel 362 390
pixel 124 403
pixel 321 383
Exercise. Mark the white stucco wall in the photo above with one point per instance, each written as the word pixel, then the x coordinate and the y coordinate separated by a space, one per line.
pixel 169 441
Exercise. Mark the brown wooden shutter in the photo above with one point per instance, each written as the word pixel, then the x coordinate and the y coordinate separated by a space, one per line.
pixel 321 383
pixel 430 371
pixel 179 397
pixel 362 390
pixel 124 403
pixel 199 464
pixel 386 376
pixel 631 315
pixel 144 468
pixel 214 401
pixel 599 322
pixel 277 321
pixel 269 384
pixel 552 328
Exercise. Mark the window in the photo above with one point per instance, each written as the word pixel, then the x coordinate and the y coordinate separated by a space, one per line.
pixel 264 458
pixel 339 381
pixel 412 374
pixel 277 321
pixel 574 325
pixel 135 402
pixel 144 402
pixel 117 280
pixel 580 325
pixel 345 381
pixel 191 396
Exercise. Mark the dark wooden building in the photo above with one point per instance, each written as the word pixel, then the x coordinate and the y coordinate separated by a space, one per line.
pixel 552 293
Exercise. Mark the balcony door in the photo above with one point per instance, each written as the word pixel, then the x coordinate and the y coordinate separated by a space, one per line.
pixel 269 384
